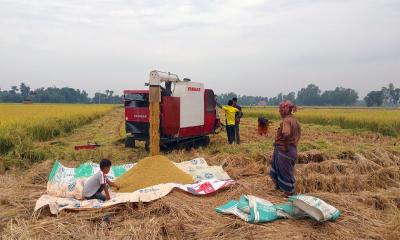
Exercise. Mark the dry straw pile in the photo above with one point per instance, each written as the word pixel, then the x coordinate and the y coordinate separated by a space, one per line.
pixel 366 214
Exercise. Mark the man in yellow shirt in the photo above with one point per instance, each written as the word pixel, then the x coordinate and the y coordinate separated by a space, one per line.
pixel 230 113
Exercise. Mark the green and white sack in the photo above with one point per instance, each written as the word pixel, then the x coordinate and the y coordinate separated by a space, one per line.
pixel 68 182
pixel 315 208
pixel 256 210
pixel 251 209
pixel 288 210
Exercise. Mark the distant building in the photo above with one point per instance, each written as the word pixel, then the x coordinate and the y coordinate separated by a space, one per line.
pixel 262 103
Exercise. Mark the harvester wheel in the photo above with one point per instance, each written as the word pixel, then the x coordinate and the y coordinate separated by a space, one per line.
pixel 206 141
pixel 129 142
pixel 166 147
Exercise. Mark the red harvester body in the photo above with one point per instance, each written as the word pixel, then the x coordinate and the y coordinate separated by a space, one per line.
pixel 187 115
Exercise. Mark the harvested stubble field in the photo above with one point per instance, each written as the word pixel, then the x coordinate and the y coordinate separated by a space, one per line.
pixel 356 171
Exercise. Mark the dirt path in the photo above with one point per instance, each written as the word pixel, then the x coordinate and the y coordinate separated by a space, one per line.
pixel 357 173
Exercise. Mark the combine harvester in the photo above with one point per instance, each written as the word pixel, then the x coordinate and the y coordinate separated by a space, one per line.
pixel 187 113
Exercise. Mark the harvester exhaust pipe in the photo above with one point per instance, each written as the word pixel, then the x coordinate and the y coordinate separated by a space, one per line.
pixel 156 78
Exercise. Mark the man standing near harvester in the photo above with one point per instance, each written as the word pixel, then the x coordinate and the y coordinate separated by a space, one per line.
pixel 238 116
pixel 285 151
pixel 230 113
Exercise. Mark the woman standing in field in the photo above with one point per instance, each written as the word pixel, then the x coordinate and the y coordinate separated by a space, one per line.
pixel 285 152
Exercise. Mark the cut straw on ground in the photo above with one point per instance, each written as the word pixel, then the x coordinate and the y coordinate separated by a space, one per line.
pixel 356 172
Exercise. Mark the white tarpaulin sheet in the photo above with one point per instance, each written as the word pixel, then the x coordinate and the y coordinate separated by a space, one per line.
pixel 65 185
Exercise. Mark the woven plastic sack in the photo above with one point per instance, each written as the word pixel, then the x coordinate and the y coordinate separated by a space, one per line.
pixel 68 182
pixel 200 170
pixel 251 209
pixel 288 210
pixel 315 208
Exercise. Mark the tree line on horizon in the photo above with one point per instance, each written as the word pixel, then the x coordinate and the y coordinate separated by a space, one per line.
pixel 310 96
pixel 24 93
pixel 313 96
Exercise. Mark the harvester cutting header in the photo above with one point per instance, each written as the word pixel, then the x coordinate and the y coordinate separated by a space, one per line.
pixel 184 111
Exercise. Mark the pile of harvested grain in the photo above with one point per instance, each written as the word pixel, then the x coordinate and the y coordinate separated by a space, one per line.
pixel 151 171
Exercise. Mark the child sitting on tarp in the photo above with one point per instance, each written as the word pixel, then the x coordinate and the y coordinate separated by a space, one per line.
pixel 94 187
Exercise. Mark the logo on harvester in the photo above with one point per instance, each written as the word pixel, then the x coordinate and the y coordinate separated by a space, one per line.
pixel 140 116
pixel 194 89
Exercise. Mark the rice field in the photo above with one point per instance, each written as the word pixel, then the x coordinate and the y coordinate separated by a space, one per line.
pixel 37 114
pixel 384 121
pixel 21 123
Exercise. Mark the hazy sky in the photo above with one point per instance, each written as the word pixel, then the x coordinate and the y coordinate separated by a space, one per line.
pixel 250 47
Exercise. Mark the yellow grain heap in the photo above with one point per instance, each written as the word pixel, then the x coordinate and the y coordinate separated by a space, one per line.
pixel 152 171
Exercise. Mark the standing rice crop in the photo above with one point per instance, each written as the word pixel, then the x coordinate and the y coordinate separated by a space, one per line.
pixel 22 124
pixel 384 121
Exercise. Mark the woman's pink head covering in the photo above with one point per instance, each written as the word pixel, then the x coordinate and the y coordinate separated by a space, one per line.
pixel 287 107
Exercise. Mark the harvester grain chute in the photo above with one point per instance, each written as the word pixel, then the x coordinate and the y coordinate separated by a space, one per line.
pixel 187 112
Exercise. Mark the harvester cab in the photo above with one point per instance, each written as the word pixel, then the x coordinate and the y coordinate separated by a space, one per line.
pixel 187 113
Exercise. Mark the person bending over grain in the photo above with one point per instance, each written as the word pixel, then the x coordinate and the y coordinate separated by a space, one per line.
pixel 285 151
pixel 263 125
pixel 94 187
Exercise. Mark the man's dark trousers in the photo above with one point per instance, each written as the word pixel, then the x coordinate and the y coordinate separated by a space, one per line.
pixel 230 131
pixel 237 133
